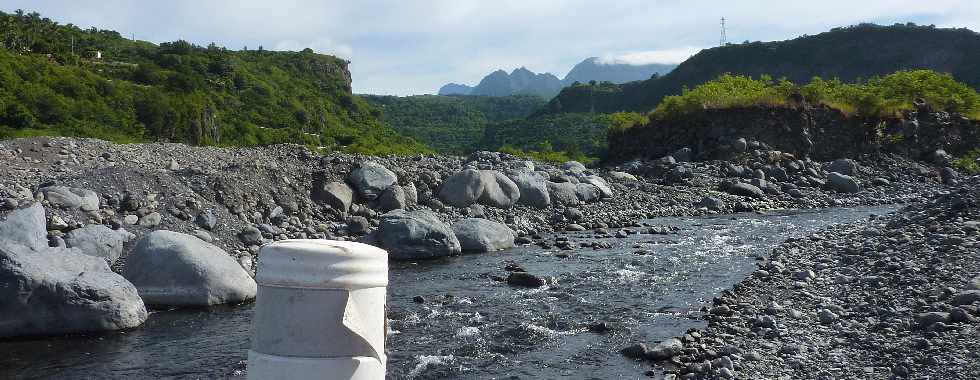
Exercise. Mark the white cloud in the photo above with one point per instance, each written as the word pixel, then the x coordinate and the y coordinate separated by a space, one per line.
pixel 406 47
pixel 669 56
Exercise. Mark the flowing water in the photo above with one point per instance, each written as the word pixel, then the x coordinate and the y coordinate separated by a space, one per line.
pixel 472 326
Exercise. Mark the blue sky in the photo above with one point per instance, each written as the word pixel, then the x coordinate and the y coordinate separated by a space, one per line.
pixel 414 46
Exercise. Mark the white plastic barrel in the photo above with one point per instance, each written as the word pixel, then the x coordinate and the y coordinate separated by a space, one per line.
pixel 319 312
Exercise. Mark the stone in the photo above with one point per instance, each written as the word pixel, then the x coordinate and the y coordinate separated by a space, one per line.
pixel 745 190
pixel 203 235
pixel 250 235
pixel 587 192
pixel 940 157
pixel 827 317
pixel 151 220
pixel 462 189
pixel 370 179
pixel 603 186
pixel 712 203
pixel 842 183
pixel 206 220
pixel 419 234
pixel 131 219
pixel 966 297
pixel 71 197
pixel 525 279
pixel 482 235
pixel 635 351
pixel 337 195
pixel 174 269
pixel 924 320
pixel 621 176
pixel 358 225
pixel 411 194
pixel 99 241
pixel 683 155
pixel 665 350
pixel 498 190
pixel 392 198
pixel 574 167
pixel 740 145
pixel 949 176
pixel 845 166
pixel 533 188
pixel 563 193
pixel 25 227
pixel 60 291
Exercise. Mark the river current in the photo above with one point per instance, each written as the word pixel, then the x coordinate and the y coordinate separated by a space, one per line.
pixel 472 326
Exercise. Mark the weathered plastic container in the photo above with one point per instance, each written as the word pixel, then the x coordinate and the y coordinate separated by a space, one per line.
pixel 319 312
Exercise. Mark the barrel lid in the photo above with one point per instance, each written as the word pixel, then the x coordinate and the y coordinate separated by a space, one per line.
pixel 322 264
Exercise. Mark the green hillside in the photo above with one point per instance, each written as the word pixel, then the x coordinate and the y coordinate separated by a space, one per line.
pixel 451 124
pixel 851 53
pixel 63 80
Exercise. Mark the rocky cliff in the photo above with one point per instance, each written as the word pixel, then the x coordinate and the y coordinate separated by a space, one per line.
pixel 821 133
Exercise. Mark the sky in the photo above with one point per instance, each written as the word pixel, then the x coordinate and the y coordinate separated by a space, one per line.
pixel 406 47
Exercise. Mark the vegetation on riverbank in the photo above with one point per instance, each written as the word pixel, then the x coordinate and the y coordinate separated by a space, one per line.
pixel 63 80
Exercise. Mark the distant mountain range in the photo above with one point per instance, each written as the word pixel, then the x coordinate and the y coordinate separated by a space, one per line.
pixel 850 53
pixel 525 82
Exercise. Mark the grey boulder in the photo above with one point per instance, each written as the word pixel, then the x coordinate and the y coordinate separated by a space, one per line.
pixel 371 179
pixel 599 183
pixel 845 166
pixel 563 193
pixel 481 235
pixel 533 188
pixel 71 197
pixel 587 192
pixel 409 235
pixel 99 241
pixel 842 183
pixel 175 269
pixel 392 199
pixel 498 190
pixel 462 189
pixel 25 227
pixel 574 167
pixel 745 190
pixel 337 195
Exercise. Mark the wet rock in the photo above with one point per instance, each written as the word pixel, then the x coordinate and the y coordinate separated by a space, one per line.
pixel 99 241
pixel 174 269
pixel 635 351
pixel 370 179
pixel 411 235
pixel 525 279
pixel 481 235
pixel 665 350
pixel 712 203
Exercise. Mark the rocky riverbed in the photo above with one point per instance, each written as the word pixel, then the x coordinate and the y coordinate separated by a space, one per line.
pixel 896 297
pixel 212 208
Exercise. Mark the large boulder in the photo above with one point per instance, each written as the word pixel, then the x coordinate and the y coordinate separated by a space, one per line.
pixel 371 179
pixel 337 195
pixel 498 190
pixel 175 269
pixel 462 189
pixel 25 227
pixel 533 188
pixel 488 187
pixel 746 190
pixel 587 192
pixel 47 291
pixel 481 235
pixel 621 176
pixel 392 199
pixel 600 183
pixel 845 166
pixel 410 235
pixel 71 197
pixel 574 167
pixel 563 193
pixel 99 241
pixel 842 183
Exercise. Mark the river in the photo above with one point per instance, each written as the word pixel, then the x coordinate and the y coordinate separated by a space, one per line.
pixel 472 326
